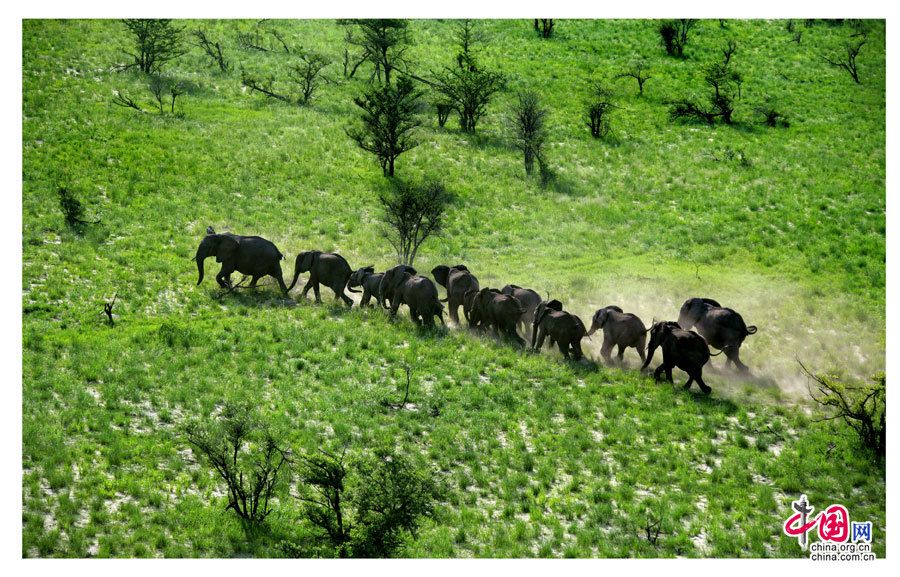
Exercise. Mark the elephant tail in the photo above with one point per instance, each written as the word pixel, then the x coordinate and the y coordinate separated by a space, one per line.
pixel 718 353
pixel 751 330
pixel 349 288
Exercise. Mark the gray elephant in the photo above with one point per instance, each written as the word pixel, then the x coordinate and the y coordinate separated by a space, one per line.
pixel 249 255
pixel 491 308
pixel 620 329
pixel 563 328
pixel 529 300
pixel 386 290
pixel 723 328
pixel 370 281
pixel 458 281
pixel 417 292
pixel 329 269
pixel 680 348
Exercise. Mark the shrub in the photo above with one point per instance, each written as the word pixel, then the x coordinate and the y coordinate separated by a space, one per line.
pixel 848 61
pixel 598 109
pixel 725 84
pixel 674 35
pixel 470 89
pixel 639 72
pixel 544 27
pixel 245 454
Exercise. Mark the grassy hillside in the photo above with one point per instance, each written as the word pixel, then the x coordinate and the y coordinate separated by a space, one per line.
pixel 541 457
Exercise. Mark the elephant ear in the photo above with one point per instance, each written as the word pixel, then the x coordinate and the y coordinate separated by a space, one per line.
pixel 369 269
pixel 462 267
pixel 228 246
pixel 441 274
pixel 554 305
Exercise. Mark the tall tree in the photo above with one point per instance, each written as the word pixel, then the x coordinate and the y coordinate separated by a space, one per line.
pixel 155 43
pixel 383 41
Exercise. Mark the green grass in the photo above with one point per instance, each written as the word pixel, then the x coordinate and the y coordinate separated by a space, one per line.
pixel 541 457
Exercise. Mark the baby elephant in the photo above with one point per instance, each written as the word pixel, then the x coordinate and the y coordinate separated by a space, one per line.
pixel 370 281
pixel 563 328
pixel 680 348
pixel 620 329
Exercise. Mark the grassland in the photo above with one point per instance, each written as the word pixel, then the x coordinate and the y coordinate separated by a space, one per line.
pixel 541 458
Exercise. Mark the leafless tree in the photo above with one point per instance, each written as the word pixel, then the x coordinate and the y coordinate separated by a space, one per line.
pixel 599 107
pixel 212 49
pixel 245 455
pixel 410 214
pixel 263 86
pixel 848 62
pixel 108 310
pixel 544 27
pixel 640 72
pixel 125 101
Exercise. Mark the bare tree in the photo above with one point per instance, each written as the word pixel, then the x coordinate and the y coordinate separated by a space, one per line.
pixel 246 456
pixel 728 51
pixel 388 120
pixel 155 43
pixel 726 85
pixel 640 72
pixel 263 86
pixel 529 129
pixel 307 74
pixel 411 213
pixel 125 101
pixel 212 49
pixel 598 110
pixel 674 34
pixel 849 61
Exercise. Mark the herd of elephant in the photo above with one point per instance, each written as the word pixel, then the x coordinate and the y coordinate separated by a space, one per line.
pixel 505 311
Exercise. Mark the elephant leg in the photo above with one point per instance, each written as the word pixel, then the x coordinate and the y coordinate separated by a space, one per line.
pixel 734 356
pixel 453 306
pixel 606 350
pixel 339 294
pixel 658 372
pixel 669 374
pixel 690 380
pixel 307 286
pixel 703 386
pixel 621 354
pixel 563 348
pixel 224 276
pixel 315 288
pixel 253 281
pixel 576 350
pixel 280 278
pixel 539 341
pixel 364 301
pixel 643 355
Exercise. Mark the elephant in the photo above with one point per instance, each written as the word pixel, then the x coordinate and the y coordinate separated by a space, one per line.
pixel 723 328
pixel 620 329
pixel 681 348
pixel 417 292
pixel 248 255
pixel 458 281
pixel 370 281
pixel 562 327
pixel 490 307
pixel 329 269
pixel 529 300
pixel 386 290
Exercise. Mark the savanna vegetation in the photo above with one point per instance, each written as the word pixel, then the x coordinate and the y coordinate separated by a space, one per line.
pixel 739 160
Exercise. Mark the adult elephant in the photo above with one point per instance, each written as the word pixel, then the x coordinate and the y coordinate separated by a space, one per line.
pixel 723 328
pixel 458 281
pixel 529 300
pixel 326 268
pixel 562 327
pixel 620 329
pixel 417 292
pixel 491 308
pixel 385 289
pixel 249 255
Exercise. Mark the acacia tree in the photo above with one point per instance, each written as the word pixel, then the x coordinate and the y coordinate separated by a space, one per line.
pixel 307 74
pixel 848 62
pixel 599 106
pixel 528 127
pixel 726 85
pixel 410 213
pixel 674 35
pixel 388 119
pixel 155 43
pixel 640 72
pixel 470 89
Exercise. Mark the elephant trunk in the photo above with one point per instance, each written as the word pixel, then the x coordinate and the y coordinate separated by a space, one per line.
pixel 297 272
pixel 200 257
pixel 650 351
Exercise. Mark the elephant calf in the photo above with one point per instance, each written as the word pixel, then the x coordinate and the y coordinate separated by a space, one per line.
pixel 563 328
pixel 722 327
pixel 620 329
pixel 529 300
pixel 458 281
pixel 680 348
pixel 329 269
pixel 417 292
pixel 385 288
pixel 249 255
pixel 490 308
pixel 370 281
